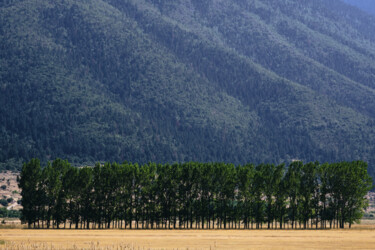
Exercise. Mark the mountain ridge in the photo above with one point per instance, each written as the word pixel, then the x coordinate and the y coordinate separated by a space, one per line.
pixel 169 81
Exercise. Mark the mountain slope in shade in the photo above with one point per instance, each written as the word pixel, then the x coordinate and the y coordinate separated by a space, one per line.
pixel 236 81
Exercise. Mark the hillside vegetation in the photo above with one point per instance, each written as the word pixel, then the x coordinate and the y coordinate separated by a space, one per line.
pixel 175 81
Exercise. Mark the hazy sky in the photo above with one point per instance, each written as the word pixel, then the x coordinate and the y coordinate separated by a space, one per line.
pixel 366 5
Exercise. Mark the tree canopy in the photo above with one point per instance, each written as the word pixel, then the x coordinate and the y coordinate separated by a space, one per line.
pixel 193 195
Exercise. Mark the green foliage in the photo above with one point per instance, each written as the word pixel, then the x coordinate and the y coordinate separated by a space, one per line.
pixel 204 195
pixel 4 202
pixel 4 213
pixel 29 181
pixel 177 81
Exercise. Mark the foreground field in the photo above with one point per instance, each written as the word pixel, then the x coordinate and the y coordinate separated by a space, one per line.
pixel 360 237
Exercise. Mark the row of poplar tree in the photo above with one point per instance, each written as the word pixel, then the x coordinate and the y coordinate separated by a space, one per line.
pixel 193 195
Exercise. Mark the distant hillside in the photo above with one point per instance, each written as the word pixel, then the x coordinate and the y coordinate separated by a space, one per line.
pixel 210 80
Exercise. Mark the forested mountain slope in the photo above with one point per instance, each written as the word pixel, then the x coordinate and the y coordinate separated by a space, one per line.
pixel 161 80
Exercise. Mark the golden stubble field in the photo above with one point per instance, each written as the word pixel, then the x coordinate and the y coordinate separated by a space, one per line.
pixel 359 237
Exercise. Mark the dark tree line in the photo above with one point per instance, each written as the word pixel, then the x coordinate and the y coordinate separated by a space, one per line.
pixel 193 195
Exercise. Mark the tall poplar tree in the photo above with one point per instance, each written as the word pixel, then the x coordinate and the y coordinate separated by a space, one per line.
pixel 28 183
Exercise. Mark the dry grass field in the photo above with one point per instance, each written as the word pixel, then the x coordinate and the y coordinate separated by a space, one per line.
pixel 360 237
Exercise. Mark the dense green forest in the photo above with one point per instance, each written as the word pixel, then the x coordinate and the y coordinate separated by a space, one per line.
pixel 177 81
pixel 193 195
